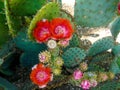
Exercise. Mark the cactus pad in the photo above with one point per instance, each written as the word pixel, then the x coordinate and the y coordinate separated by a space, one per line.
pixel 75 41
pixel 6 85
pixel 26 7
pixel 116 50
pixel 94 13
pixel 110 85
pixel 115 65
pixel 25 44
pixel 3 27
pixel 28 59
pixel 73 56
pixel 101 45
pixel 49 11
pixel 115 29
pixel 102 58
pixel 13 22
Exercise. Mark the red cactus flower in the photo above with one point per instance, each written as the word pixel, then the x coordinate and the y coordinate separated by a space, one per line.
pixel 61 29
pixel 41 75
pixel 41 32
pixel 118 8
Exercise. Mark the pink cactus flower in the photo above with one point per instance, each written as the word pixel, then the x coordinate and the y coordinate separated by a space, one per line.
pixel 63 43
pixel 44 57
pixel 77 74
pixel 85 85
pixel 93 83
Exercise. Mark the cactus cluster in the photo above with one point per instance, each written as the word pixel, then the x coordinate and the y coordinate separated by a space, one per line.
pixel 87 13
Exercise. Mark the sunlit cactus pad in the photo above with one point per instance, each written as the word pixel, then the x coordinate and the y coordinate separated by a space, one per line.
pixel 94 13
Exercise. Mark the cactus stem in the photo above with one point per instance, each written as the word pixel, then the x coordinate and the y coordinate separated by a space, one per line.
pixel 7 13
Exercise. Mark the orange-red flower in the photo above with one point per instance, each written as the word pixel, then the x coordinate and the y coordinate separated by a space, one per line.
pixel 118 8
pixel 61 29
pixel 41 33
pixel 41 75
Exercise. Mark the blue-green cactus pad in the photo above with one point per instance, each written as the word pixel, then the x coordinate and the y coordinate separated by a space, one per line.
pixel 94 13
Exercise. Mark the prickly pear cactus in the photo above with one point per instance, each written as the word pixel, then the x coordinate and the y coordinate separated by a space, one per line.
pixel 1 61
pixel 31 50
pixel 110 85
pixel 25 7
pixel 73 56
pixel 75 41
pixel 116 50
pixel 102 57
pixel 5 68
pixel 115 27
pixel 94 13
pixel 3 27
pixel 115 65
pixel 28 59
pixel 25 44
pixel 13 22
pixel 101 45
pixel 49 11
pixel 6 85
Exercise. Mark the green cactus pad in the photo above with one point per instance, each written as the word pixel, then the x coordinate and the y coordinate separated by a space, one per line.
pixel 3 27
pixel 13 22
pixel 95 67
pixel 110 85
pixel 115 65
pixel 74 42
pixel 101 45
pixel 8 61
pixel 1 6
pixel 6 85
pixel 116 50
pixel 92 13
pixel 29 59
pixel 115 29
pixel 25 44
pixel 26 7
pixel 1 61
pixel 49 11
pixel 102 58
pixel 7 49
pixel 73 56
